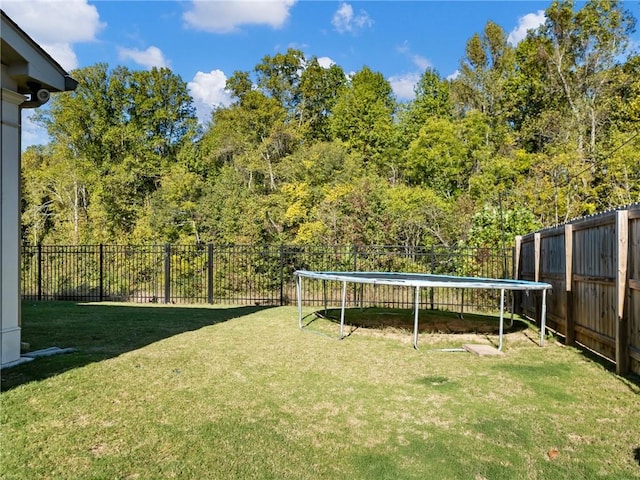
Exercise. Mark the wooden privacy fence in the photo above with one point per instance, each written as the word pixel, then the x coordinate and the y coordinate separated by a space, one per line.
pixel 593 264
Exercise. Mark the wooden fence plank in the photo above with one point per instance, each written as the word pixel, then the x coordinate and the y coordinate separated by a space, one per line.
pixel 622 326
pixel 536 267
pixel 570 335
pixel 633 309
pixel 598 306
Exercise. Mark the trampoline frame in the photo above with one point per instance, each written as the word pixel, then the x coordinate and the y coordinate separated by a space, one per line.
pixel 421 280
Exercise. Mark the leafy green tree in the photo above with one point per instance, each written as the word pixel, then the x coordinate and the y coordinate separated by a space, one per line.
pixel 533 109
pixel 417 216
pixel 618 179
pixel 620 173
pixel 279 78
pixel 437 157
pixel 432 100
pixel 319 90
pixel 363 117
pixel 493 225
pixel 120 129
pixel 161 111
pixel 354 213
pixel 252 136
pixel 54 206
pixel 172 213
pixel 230 212
pixel 239 84
pixel 580 49
pixel 321 164
pixel 488 65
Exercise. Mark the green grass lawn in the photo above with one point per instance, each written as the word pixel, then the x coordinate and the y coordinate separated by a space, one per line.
pixel 156 392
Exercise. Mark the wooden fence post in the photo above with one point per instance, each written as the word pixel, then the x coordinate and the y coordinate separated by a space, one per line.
pixel 622 324
pixel 570 323
pixel 536 252
pixel 517 295
pixel 536 273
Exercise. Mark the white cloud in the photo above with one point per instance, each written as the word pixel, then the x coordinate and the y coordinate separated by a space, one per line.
pixel 325 62
pixel 421 62
pixel 530 21
pixel 63 54
pixel 294 45
pixel 345 21
pixel 418 60
pixel 55 26
pixel 227 16
pixel 403 85
pixel 208 91
pixel 151 57
pixel 32 133
pixel 454 75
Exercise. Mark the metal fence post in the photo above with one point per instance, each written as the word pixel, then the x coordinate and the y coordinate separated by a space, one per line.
pixel 355 269
pixel 355 258
pixel 167 273
pixel 433 262
pixel 210 272
pixel 39 271
pixel 101 293
pixel 281 275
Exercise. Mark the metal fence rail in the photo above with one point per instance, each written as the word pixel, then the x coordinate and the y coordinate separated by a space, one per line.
pixel 249 274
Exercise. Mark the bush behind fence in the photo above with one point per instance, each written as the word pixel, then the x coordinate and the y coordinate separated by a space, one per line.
pixel 248 274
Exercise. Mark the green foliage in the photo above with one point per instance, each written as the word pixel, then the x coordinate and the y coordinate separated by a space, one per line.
pixel 432 100
pixel 279 77
pixel 306 154
pixel 363 116
pixel 497 226
pixel 319 90
pixel 438 158
pixel 417 216
pixel 116 134
pixel 484 71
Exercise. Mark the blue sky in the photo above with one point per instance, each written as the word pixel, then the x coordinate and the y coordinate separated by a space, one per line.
pixel 205 41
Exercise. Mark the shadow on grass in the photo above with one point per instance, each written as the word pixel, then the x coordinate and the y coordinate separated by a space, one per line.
pixel 632 380
pixel 429 321
pixel 100 331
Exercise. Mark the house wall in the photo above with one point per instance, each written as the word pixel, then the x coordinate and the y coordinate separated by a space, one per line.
pixel 10 223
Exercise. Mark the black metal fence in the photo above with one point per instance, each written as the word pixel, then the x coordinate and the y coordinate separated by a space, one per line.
pixel 249 274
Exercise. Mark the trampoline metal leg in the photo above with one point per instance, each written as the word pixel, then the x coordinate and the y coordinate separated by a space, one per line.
pixel 543 317
pixel 344 301
pixel 299 298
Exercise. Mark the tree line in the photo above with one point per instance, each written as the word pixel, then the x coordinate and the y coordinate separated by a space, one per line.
pixel 525 136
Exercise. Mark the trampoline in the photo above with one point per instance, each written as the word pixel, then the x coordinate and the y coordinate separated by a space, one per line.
pixel 418 281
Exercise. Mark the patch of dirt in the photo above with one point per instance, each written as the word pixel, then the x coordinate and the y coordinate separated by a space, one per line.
pixel 429 321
